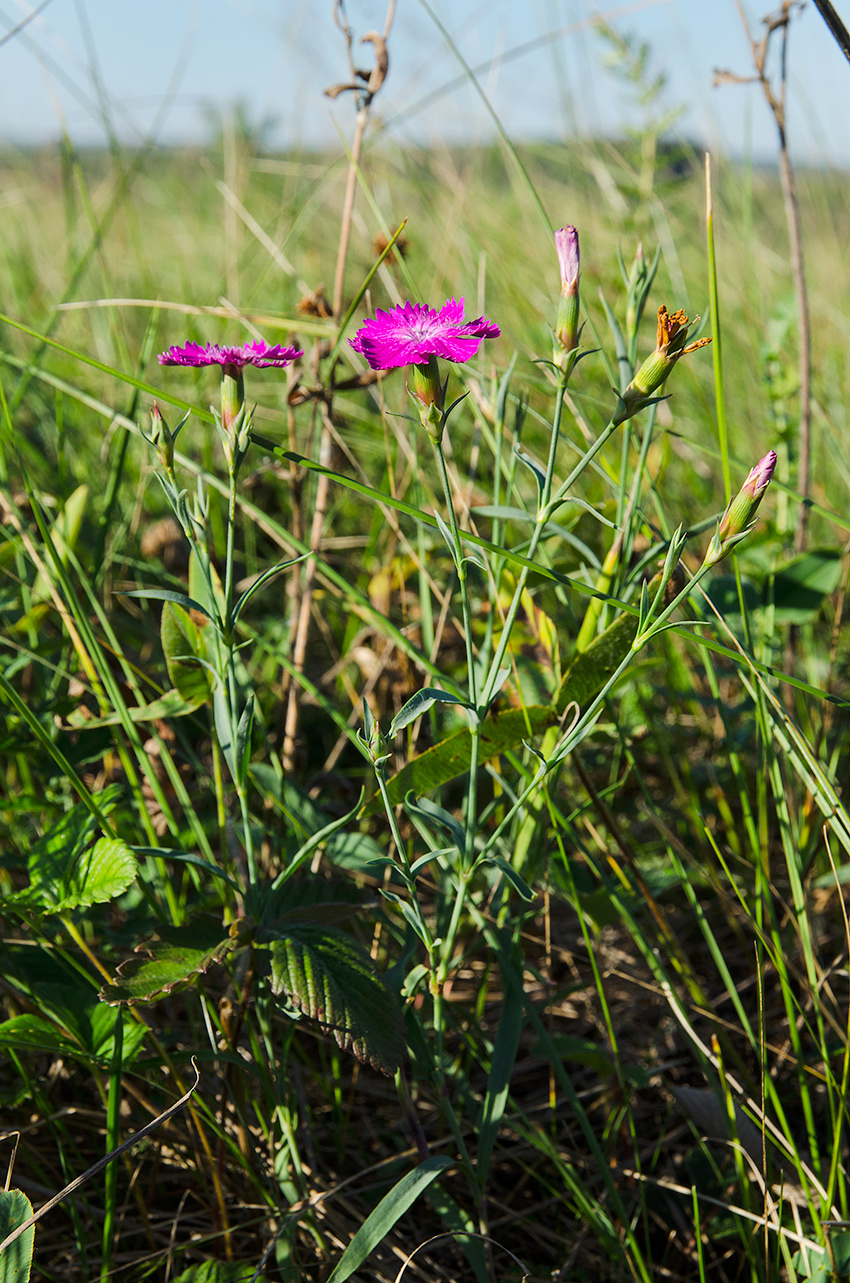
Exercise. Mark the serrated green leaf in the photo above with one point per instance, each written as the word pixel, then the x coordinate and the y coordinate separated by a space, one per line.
pixel 172 962
pixel 49 856
pixel 72 878
pixel 329 977
pixel 98 875
pixel 183 644
pixel 16 1259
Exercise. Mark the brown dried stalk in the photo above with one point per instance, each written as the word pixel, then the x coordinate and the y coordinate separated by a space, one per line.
pixel 365 85
pixel 776 101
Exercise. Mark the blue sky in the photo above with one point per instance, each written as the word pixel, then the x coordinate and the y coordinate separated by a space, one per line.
pixel 164 64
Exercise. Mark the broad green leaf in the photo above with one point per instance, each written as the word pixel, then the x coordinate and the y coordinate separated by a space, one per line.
pixel 34 1033
pixel 221 1272
pixel 391 1207
pixel 89 1035
pixel 50 855
pixel 172 962
pixel 811 1268
pixel 800 587
pixel 592 668
pixel 183 644
pixel 840 1243
pixel 329 977
pixel 16 1259
pixel 64 875
pixel 723 591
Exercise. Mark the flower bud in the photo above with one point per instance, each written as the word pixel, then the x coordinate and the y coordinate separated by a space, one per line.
pixel 669 347
pixel 736 520
pixel 566 325
pixel 161 438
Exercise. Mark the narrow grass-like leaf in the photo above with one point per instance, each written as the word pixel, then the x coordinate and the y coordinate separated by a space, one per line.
pixel 391 1207
pixel 221 1272
pixel 435 816
pixel 171 704
pixel 169 594
pixel 498 1080
pixel 513 877
pixel 260 582
pixel 419 704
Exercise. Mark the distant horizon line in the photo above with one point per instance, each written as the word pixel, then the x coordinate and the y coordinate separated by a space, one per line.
pixel 761 159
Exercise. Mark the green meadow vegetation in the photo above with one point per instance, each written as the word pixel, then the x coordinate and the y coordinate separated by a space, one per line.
pixel 418 859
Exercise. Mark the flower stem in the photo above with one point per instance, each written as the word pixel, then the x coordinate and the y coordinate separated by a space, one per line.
pixel 543 514
pixel 475 719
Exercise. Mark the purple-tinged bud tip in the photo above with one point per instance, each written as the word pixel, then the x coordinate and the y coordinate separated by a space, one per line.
pixel 736 520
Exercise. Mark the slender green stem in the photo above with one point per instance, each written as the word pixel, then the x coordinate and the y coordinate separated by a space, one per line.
pixel 436 975
pixel 228 560
pixel 460 565
pixel 543 515
pixel 475 718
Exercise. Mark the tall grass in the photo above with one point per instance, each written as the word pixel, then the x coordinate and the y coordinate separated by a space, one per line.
pixel 605 976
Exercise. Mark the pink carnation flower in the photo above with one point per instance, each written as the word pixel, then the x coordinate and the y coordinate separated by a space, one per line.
pixel 258 353
pixel 411 334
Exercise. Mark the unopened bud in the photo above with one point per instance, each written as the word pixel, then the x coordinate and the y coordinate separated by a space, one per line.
pixel 566 325
pixel 737 519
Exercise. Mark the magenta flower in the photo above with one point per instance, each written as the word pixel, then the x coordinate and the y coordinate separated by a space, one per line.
pixel 258 353
pixel 413 333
